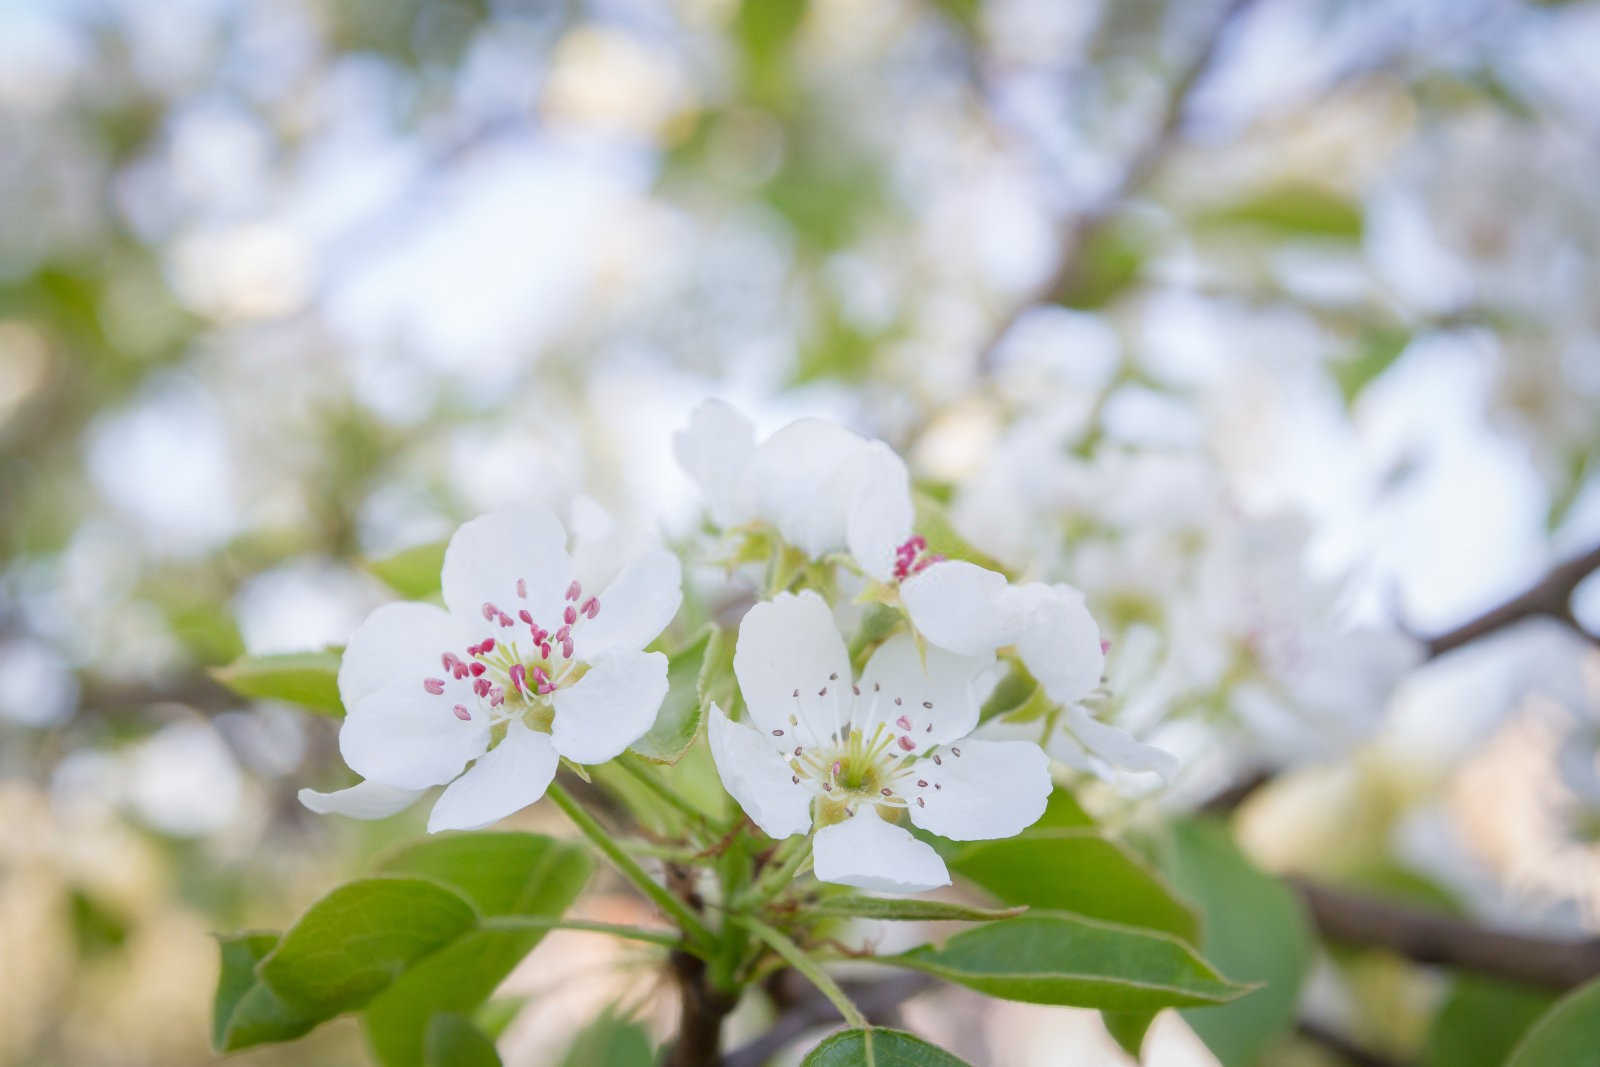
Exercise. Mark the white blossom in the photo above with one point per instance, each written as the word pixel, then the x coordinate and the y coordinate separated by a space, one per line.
pixel 523 666
pixel 850 756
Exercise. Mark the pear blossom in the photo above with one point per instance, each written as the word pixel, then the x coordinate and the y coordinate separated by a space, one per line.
pixel 850 756
pixel 521 667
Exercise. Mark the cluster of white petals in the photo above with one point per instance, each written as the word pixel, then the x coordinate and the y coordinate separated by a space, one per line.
pixel 520 668
pixel 851 755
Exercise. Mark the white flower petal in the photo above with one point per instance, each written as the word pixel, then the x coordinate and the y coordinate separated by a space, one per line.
pixel 992 789
pixel 611 706
pixel 898 670
pixel 1058 640
pixel 1118 747
pixel 634 608
pixel 754 773
pixel 403 640
pixel 800 480
pixel 505 780
pixel 364 800
pixel 714 450
pixel 868 853
pixel 406 737
pixel 961 606
pixel 489 556
pixel 880 515
pixel 789 646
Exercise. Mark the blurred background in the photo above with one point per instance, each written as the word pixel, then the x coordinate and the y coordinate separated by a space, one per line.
pixel 1272 324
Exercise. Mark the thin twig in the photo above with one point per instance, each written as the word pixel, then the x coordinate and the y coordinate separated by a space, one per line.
pixel 1428 937
pixel 1550 596
pixel 1343 1047
pixel 878 1001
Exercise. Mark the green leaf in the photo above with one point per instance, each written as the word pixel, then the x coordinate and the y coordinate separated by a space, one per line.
pixel 933 523
pixel 717 684
pixel 1062 812
pixel 502 874
pixel 352 942
pixel 910 909
pixel 1568 1035
pixel 1378 347
pixel 610 1041
pixel 1064 959
pixel 1013 691
pixel 452 1041
pixel 246 1012
pixel 1128 1028
pixel 412 572
pixel 1481 1022
pixel 310 679
pixel 678 721
pixel 1294 209
pixel 1107 265
pixel 878 1047
pixel 1076 869
pixel 1255 931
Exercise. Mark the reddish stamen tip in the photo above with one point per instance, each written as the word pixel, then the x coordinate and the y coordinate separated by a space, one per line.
pixel 906 743
pixel 1105 646
pixel 522 588
pixel 526 616
pixel 481 687
pixel 462 713
pixel 519 677
pixel 433 685
pixel 591 607
pixel 566 649
pixel 564 634
pixel 570 615
pixel 544 649
pixel 477 669
pixel 489 611
pixel 903 722
pixel 574 591
pixel 486 646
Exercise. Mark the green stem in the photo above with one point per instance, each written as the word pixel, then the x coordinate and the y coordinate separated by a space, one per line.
pixel 629 765
pixel 632 933
pixel 795 957
pixel 775 881
pixel 674 908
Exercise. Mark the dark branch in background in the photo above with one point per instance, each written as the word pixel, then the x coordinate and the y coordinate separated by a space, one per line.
pixel 1550 597
pixel 1431 938
pixel 879 1002
pixel 1141 165
pixel 1341 1046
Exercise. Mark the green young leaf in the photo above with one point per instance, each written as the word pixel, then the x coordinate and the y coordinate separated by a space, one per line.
pixel 503 875
pixel 1015 690
pixel 412 572
pixel 1076 869
pixel 933 523
pixel 1378 347
pixel 910 909
pixel 717 684
pixel 1255 931
pixel 246 1012
pixel 1047 958
pixel 610 1041
pixel 1294 209
pixel 1109 262
pixel 1062 812
pixel 310 679
pixel 1481 1022
pixel 1127 1028
pixel 452 1041
pixel 352 942
pixel 878 1047
pixel 678 721
pixel 1568 1035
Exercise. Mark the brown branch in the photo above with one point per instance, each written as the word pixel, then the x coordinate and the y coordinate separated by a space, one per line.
pixel 1428 937
pixel 1163 135
pixel 879 1002
pixel 1550 597
pixel 700 1013
pixel 1341 1046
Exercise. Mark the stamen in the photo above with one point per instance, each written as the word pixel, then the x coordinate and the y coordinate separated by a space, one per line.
pixel 462 713
pixel 519 678
pixel 591 607
pixel 906 743
pixel 522 588
pixel 574 591
pixel 570 615
pixel 476 669
pixel 777 733
pixel 566 649
pixel 489 611
pixel 433 685
pixel 526 616
pixel 903 722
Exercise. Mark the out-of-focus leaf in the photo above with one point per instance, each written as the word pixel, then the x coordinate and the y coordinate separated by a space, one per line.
pixel 678 721
pixel 1062 812
pixel 1568 1035
pixel 1481 1022
pixel 1580 464
pixel 1077 870
pixel 1379 347
pixel 610 1041
pixel 245 1011
pixel 878 1047
pixel 452 1041
pixel 909 909
pixel 309 679
pixel 412 572
pixel 1127 1028
pixel 1109 262
pixel 967 14
pixel 1255 930
pixel 352 942
pixel 1064 959
pixel 765 27
pixel 1294 209
pixel 933 523
pixel 717 684
pixel 501 874
pixel 1013 691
